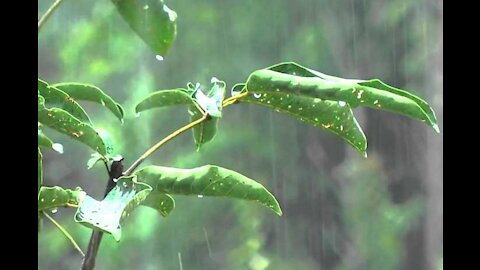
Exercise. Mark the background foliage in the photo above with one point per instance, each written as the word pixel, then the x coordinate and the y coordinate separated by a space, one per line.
pixel 341 211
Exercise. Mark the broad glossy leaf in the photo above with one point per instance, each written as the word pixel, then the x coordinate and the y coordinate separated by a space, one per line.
pixel 373 93
pixel 205 131
pixel 107 214
pixel 161 202
pixel 40 170
pixel 44 141
pixel 326 114
pixel 53 197
pixel 164 98
pixel 87 92
pixel 55 97
pixel 66 123
pixel 207 180
pixel 152 20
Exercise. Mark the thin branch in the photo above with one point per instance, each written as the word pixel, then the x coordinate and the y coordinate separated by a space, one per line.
pixel 47 14
pixel 64 233
pixel 162 142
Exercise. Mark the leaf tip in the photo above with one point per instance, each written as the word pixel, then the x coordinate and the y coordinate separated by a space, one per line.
pixel 436 128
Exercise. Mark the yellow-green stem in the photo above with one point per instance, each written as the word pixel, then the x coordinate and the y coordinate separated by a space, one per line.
pixel 69 237
pixel 47 14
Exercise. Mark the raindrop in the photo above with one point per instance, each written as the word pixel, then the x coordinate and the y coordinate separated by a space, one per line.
pixel 342 103
pixel 145 7
pixel 289 106
pixel 54 210
pixel 137 115
pixel 57 147
pixel 115 180
pixel 200 196
pixel 159 57
pixel 257 95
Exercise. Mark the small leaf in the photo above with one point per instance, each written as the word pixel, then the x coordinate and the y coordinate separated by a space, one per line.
pixel 53 197
pixel 40 170
pixel 207 180
pixel 55 97
pixel 95 157
pixel 107 214
pixel 164 98
pixel 161 202
pixel 205 131
pixel 87 92
pixel 66 123
pixel 44 141
pixel 152 20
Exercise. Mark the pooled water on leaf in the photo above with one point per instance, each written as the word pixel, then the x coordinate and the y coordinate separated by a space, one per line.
pixel 257 95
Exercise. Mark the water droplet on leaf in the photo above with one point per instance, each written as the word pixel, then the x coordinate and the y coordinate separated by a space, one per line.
pixel 54 210
pixel 159 57
pixel 200 196
pixel 342 103
pixel 257 95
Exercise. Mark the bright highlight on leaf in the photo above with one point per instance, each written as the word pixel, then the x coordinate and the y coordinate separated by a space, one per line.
pixel 207 180
pixel 107 214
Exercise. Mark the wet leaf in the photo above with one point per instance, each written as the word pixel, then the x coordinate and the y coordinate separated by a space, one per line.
pixel 331 116
pixel 87 92
pixel 161 202
pixel 107 214
pixel 152 20
pixel 207 180
pixel 55 97
pixel 65 123
pixel 164 98
pixel 294 79
pixel 53 197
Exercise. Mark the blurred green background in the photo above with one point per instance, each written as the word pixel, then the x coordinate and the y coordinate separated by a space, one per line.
pixel 341 211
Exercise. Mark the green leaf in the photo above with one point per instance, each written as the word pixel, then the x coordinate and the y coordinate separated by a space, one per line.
pixel 66 123
pixel 293 79
pixel 44 141
pixel 55 97
pixel 326 114
pixel 40 170
pixel 205 131
pixel 164 98
pixel 161 202
pixel 152 20
pixel 87 92
pixel 207 180
pixel 53 197
pixel 107 214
